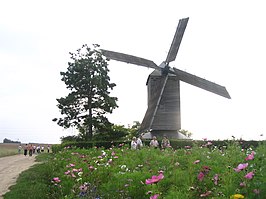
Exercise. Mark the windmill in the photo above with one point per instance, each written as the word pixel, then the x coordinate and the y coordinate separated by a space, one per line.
pixel 163 113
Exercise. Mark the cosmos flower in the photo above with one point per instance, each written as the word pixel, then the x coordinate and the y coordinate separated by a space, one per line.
pixel 196 162
pixel 67 172
pixel 215 179
pixel 250 156
pixel 56 180
pixel 240 167
pixel 200 176
pixel 205 194
pixel 154 196
pixel 249 175
pixel 154 179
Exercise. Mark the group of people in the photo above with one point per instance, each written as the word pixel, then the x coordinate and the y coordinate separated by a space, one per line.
pixel 32 149
pixel 136 143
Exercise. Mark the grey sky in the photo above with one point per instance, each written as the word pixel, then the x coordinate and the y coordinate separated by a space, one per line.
pixel 224 42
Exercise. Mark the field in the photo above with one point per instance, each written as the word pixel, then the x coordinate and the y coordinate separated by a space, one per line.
pixel 7 149
pixel 119 172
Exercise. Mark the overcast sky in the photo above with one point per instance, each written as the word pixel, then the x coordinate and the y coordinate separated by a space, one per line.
pixel 224 42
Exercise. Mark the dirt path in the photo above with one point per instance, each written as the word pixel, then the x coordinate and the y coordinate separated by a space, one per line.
pixel 10 168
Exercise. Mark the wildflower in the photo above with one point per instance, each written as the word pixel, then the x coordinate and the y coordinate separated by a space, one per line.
pixel 200 176
pixel 206 169
pixel 237 196
pixel 241 167
pixel 209 143
pixel 250 156
pixel 154 196
pixel 256 191
pixel 91 168
pixel 196 162
pixel 249 175
pixel 70 165
pixel 67 172
pixel 177 164
pixel 56 180
pixel 215 179
pixel 205 194
pixel 242 184
pixel 154 179
pixel 113 153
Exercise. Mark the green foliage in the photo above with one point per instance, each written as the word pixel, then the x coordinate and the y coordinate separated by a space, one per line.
pixel 89 100
pixel 111 170
pixel 119 172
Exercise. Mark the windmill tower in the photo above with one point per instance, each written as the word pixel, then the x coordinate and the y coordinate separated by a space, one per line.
pixel 163 115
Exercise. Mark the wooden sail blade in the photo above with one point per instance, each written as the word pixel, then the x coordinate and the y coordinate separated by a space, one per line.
pixel 129 59
pixel 201 83
pixel 153 106
pixel 177 40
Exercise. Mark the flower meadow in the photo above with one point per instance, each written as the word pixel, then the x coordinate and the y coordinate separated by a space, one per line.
pixel 192 172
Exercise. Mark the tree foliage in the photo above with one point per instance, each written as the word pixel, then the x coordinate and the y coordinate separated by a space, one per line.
pixel 86 106
pixel 185 132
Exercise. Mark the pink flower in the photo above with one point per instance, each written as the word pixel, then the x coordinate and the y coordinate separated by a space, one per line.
pixel 154 179
pixel 250 156
pixel 91 168
pixel 215 179
pixel 67 172
pixel 242 184
pixel 205 194
pixel 241 167
pixel 56 180
pixel 115 157
pixel 155 196
pixel 256 191
pixel 209 143
pixel 200 176
pixel 196 162
pixel 70 165
pixel 113 153
pixel 249 175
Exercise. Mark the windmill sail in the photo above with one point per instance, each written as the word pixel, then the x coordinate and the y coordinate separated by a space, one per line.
pixel 153 105
pixel 177 40
pixel 201 83
pixel 129 59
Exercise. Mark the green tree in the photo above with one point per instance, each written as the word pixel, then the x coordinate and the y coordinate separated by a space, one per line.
pixel 89 101
pixel 185 132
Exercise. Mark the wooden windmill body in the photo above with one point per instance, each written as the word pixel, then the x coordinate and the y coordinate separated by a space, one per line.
pixel 163 117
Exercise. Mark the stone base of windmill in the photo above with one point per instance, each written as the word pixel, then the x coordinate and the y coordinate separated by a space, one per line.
pixel 159 134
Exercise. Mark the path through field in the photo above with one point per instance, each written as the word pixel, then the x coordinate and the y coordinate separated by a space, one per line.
pixel 10 168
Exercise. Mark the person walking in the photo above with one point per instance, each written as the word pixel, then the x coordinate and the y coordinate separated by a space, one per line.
pixel 30 150
pixel 19 149
pixel 26 149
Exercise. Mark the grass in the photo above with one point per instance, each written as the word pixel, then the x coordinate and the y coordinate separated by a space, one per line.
pixel 32 184
pixel 122 173
pixel 7 149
